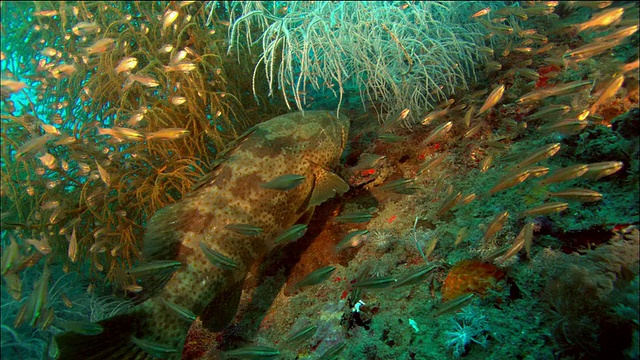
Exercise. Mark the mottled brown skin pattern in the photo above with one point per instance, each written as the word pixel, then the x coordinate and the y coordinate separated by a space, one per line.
pixel 287 144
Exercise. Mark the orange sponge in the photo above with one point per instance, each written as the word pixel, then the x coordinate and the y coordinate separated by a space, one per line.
pixel 470 276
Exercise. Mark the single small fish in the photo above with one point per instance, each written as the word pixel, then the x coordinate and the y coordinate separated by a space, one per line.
pixel 565 127
pixel 66 300
pixel 121 134
pixel 85 28
pixel 166 48
pixel 333 352
pixel 100 46
pixel 48 160
pixel 454 304
pixel 168 134
pixel 611 89
pixel 38 297
pixel 104 175
pixel 284 182
pixel 217 258
pixel 178 57
pixel 495 226
pixel 537 171
pixel 467 199
pixel 437 132
pixel 431 164
pixel 154 267
pixel 462 233
pixel 244 229
pixel 32 146
pixel 492 66
pixel 601 19
pixel 49 315
pixel 596 171
pixel 577 194
pixel 510 181
pixel 414 277
pixel 486 163
pixel 545 209
pixel 133 288
pixel 291 234
pixel 181 67
pixel 430 247
pixel 50 52
pixel 587 51
pixel 169 17
pixel 391 138
pixel 41 245
pixel 565 174
pixel 468 115
pixel 46 13
pixel 181 311
pixel 448 203
pixel 493 99
pixel 395 117
pixel 178 100
pixel 301 335
pixel 548 110
pixel 144 80
pixel 400 186
pixel 126 64
pixel 357 218
pixel 618 35
pixel 528 237
pixel 539 154
pixel 433 115
pixel 10 256
pixel 352 239
pixel 252 353
pixel 316 277
pixel 482 12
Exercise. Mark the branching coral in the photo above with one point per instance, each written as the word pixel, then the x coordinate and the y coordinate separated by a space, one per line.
pixel 394 55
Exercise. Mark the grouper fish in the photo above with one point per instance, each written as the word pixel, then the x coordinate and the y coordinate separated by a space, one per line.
pixel 308 144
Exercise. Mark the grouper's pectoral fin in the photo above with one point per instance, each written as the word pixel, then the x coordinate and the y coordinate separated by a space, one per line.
pixel 222 309
pixel 326 185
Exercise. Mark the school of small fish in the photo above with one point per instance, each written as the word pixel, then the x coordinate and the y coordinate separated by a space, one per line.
pixel 260 192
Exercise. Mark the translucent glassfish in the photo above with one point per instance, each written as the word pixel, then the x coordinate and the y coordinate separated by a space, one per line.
pixel 495 225
pixel 611 89
pixel 167 134
pixel 545 209
pixel 565 174
pixel 493 99
pixel 539 154
pixel 438 132
pixel 126 64
pixel 577 194
pixel 599 170
pixel 510 181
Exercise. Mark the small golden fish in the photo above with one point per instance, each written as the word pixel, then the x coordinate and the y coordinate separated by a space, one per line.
pixel 486 163
pixel 85 28
pixel 166 48
pixel 548 110
pixel 437 132
pixel 144 80
pixel 565 174
pixel 46 13
pixel 121 134
pixel 104 175
pixel 601 19
pixel 587 51
pixel 611 89
pixel 449 203
pixel 539 154
pixel 537 171
pixel 181 67
pixel 619 34
pixel 565 127
pixel 48 160
pixel 482 12
pixel 435 114
pixel 178 100
pixel 545 209
pixel 493 99
pixel 582 195
pixel 510 181
pixel 73 247
pixel 126 64
pixel 50 52
pixel 599 170
pixel 495 225
pixel 432 163
pixel 169 17
pixel 462 233
pixel 12 86
pixel 168 134
pixel 493 65
pixel 41 245
pixel 100 46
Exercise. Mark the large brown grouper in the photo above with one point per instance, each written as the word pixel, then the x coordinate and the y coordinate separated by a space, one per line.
pixel 206 220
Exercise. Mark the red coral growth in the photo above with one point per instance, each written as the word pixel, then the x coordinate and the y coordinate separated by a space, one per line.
pixel 470 276
pixel 543 71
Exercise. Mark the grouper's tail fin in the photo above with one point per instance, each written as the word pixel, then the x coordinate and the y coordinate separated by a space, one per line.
pixel 121 337
pixel 112 342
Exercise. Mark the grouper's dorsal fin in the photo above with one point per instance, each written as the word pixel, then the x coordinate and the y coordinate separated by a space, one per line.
pixel 326 185
pixel 222 309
